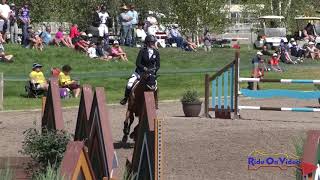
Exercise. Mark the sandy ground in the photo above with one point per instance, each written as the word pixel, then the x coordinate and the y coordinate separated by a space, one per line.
pixel 196 148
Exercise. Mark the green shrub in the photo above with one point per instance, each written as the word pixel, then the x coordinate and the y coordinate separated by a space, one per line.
pixel 298 144
pixel 44 148
pixel 51 173
pixel 127 175
pixel 190 96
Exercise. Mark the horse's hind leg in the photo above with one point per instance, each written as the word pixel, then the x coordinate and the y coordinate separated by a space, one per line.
pixel 126 128
pixel 156 99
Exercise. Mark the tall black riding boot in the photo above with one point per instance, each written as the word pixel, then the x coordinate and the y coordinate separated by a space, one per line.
pixel 126 96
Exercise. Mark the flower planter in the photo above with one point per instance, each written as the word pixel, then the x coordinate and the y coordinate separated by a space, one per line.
pixel 191 109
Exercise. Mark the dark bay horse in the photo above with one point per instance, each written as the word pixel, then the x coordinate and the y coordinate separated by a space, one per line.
pixel 147 82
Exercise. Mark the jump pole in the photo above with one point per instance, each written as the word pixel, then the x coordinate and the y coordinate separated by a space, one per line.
pixel 1 90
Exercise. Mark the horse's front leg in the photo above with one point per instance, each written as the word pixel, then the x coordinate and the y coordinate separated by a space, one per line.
pixel 126 127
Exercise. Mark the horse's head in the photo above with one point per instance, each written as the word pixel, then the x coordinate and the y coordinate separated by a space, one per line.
pixel 150 81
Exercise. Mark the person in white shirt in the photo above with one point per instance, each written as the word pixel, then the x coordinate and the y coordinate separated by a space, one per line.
pixel 4 17
pixel 92 52
pixel 134 22
pixel 103 28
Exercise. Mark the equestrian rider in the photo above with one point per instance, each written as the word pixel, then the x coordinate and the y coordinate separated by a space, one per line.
pixel 148 60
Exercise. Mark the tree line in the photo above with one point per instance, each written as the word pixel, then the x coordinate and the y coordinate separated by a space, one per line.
pixel 192 15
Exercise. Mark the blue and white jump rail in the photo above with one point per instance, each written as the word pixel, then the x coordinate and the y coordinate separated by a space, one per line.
pixel 284 81
pixel 225 92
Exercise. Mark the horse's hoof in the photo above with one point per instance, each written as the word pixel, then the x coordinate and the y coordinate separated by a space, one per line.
pixel 132 135
pixel 124 139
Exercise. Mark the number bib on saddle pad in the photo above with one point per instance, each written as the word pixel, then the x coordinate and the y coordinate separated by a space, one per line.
pixel 64 93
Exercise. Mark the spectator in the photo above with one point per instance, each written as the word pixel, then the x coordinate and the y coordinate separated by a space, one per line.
pixel 25 20
pixel 60 38
pixel 32 40
pixel 66 82
pixel 257 69
pixel 176 36
pixel 5 12
pixel 14 16
pixel 207 42
pixel 274 63
pixel 104 55
pixel 103 28
pixel 92 52
pixel 125 20
pixel 96 18
pixel 74 32
pixel 134 22
pixel 141 34
pixel 284 54
pixel 82 43
pixel 309 32
pixel 265 51
pixel 297 52
pixel 46 36
pixel 4 57
pixel 290 43
pixel 312 51
pixel 189 45
pixel 117 52
pixel 37 77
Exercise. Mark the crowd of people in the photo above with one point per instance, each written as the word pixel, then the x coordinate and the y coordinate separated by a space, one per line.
pixel 290 53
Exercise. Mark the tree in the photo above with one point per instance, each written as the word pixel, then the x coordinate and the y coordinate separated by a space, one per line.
pixel 194 15
pixel 287 8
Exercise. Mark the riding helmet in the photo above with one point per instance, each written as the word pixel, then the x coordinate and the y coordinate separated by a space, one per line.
pixel 150 39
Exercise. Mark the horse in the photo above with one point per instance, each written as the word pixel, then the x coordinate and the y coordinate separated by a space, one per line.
pixel 147 82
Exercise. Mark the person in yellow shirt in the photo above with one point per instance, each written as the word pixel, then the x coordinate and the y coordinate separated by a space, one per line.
pixel 37 77
pixel 66 82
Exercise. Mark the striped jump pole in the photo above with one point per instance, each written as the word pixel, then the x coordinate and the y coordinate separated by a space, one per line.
pixel 302 109
pixel 284 81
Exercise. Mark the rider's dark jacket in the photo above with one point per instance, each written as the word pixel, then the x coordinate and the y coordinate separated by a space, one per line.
pixel 143 60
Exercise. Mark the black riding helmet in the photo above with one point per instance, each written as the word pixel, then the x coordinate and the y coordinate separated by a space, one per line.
pixel 150 39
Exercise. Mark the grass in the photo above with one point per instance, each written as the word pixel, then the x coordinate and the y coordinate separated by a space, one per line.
pixel 179 71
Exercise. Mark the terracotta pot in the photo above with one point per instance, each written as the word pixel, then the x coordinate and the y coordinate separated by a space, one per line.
pixel 191 109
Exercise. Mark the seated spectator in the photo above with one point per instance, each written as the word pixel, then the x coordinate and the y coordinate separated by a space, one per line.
pixel 274 63
pixel 265 51
pixel 74 33
pixel 4 57
pixel 101 53
pixel 290 43
pixel 297 52
pixel 176 36
pixel 285 55
pixel 81 43
pixel 309 32
pixel 189 45
pixel 92 52
pixel 312 51
pixel 37 77
pixel 66 82
pixel 60 38
pixel 33 40
pixel 117 52
pixel 46 36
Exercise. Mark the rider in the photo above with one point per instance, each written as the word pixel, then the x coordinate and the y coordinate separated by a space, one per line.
pixel 148 60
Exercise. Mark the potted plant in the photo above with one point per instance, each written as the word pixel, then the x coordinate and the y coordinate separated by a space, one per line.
pixel 191 103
